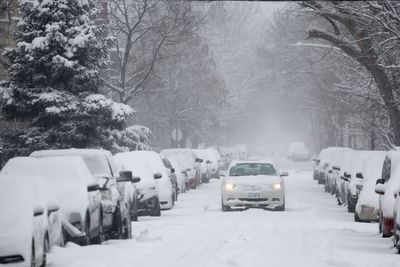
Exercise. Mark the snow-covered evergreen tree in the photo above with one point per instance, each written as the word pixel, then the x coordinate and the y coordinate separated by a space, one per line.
pixel 135 137
pixel 55 79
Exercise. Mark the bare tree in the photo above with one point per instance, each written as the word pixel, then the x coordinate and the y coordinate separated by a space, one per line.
pixel 361 30
pixel 143 29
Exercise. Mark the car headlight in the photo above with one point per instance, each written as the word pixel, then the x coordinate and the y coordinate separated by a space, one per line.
pixel 229 186
pixel 277 186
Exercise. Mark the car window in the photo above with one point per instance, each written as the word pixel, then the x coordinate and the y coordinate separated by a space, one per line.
pixel 98 165
pixel 246 169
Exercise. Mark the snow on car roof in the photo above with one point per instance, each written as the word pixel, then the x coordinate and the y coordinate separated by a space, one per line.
pixel 69 151
pixel 65 177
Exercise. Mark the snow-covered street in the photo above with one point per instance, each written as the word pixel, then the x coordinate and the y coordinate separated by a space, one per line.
pixel 313 231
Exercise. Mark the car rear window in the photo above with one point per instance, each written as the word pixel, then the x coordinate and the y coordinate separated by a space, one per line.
pixel 246 169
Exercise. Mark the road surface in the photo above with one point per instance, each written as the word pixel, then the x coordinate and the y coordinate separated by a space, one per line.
pixel 313 231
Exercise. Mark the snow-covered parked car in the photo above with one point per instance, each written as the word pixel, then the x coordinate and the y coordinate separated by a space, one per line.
pixel 172 176
pixel 333 164
pixel 204 165
pixel 180 172
pixel 342 175
pixel 386 187
pixel 187 158
pixel 158 171
pixel 323 166
pixel 24 228
pixel 353 178
pixel 367 206
pixel 68 181
pixel 297 151
pixel 148 195
pixel 215 161
pixel 253 184
pixel 119 198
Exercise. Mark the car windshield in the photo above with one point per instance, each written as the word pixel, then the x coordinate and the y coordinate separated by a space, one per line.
pixel 246 169
pixel 98 165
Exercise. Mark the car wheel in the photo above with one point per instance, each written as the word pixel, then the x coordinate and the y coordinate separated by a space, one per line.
pixel 100 238
pixel 86 238
pixel 225 207
pixel 156 209
pixel 46 247
pixel 117 224
pixel 135 212
pixel 33 257
pixel 281 208
pixel 351 206
pixel 127 229
pixel 356 217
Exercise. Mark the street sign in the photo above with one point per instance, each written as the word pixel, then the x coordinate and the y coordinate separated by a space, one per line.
pixel 176 134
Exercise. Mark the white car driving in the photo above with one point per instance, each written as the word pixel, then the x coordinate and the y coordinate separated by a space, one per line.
pixel 253 184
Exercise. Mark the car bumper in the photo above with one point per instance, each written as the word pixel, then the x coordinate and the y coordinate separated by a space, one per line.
pixel 266 199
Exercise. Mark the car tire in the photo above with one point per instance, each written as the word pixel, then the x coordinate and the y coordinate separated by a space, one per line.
pixel 86 238
pixel 127 228
pixel 350 206
pixel 356 217
pixel 281 208
pixel 100 238
pixel 46 248
pixel 225 207
pixel 135 213
pixel 156 212
pixel 117 226
pixel 33 257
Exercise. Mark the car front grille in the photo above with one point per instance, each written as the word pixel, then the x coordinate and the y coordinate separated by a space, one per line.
pixel 253 199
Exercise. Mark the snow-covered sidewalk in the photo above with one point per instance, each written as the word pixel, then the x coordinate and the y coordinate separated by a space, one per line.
pixel 313 231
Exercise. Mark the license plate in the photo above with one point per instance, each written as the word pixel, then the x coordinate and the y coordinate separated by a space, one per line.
pixel 253 195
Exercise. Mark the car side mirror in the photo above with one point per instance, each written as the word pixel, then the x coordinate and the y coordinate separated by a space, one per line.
pixel 359 175
pixel 380 189
pixel 172 170
pixel 136 179
pixel 380 181
pixel 284 174
pixel 52 206
pixel 157 175
pixel 125 176
pixel 93 187
pixel 38 211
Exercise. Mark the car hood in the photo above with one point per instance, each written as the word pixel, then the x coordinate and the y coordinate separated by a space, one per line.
pixel 254 179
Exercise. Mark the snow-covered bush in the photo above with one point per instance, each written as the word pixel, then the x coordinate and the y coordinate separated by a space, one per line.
pixel 55 79
pixel 134 137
